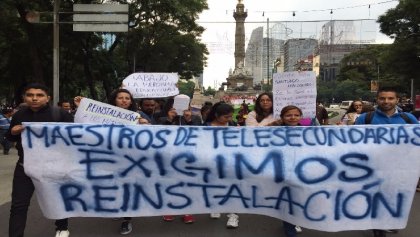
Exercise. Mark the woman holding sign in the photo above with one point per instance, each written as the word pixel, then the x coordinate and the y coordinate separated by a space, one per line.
pixel 263 113
pixel 121 98
pixel 172 118
pixel 290 116
pixel 221 115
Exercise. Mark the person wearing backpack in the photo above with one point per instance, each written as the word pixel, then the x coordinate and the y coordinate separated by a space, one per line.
pixel 386 113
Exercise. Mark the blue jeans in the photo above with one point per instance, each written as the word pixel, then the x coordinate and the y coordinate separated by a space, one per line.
pixel 4 142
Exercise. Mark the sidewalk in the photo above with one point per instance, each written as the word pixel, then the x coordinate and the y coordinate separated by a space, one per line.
pixel 249 225
pixel 7 166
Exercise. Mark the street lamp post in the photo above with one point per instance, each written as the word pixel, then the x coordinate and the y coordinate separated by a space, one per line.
pixel 56 53
pixel 268 50
pixel 106 18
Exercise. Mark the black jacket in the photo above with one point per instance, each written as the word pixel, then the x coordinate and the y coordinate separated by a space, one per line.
pixel 180 120
pixel 45 114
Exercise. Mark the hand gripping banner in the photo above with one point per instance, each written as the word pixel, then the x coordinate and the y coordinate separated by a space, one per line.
pixel 328 178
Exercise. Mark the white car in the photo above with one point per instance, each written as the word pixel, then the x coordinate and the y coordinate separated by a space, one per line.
pixel 334 106
pixel 345 104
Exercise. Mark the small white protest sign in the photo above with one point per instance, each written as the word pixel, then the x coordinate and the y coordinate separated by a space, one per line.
pixel 181 103
pixel 295 88
pixel 92 111
pixel 152 85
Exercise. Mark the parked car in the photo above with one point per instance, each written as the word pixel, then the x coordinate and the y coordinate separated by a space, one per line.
pixel 334 106
pixel 345 104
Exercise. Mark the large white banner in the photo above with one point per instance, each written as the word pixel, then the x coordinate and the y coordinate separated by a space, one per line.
pixel 152 85
pixel 92 111
pixel 295 88
pixel 325 178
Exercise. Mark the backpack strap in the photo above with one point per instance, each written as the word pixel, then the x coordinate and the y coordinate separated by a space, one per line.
pixel 369 116
pixel 406 118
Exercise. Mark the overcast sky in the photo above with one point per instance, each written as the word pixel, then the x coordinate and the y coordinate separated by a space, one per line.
pixel 220 37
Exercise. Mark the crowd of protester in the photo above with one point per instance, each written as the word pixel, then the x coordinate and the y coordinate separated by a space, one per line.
pixel 161 111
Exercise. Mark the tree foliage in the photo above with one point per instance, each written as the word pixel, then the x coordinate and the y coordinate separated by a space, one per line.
pixel 403 57
pixel 336 91
pixel 362 65
pixel 186 88
pixel 209 91
pixel 392 65
pixel 356 72
pixel 163 37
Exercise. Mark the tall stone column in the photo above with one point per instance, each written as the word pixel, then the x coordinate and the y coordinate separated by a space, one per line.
pixel 240 16
pixel 239 81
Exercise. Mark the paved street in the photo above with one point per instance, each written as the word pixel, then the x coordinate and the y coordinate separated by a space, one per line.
pixel 250 225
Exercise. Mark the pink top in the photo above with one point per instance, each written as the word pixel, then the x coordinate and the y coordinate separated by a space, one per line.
pixel 305 121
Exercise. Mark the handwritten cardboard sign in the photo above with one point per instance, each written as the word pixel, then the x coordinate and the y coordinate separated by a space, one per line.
pixel 92 111
pixel 325 178
pixel 295 88
pixel 152 85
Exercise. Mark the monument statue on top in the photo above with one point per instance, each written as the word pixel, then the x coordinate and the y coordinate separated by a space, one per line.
pixel 239 78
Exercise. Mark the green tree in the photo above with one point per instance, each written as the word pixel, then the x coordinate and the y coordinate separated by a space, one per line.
pixel 363 65
pixel 372 63
pixel 267 87
pixel 351 89
pixel 186 88
pixel 326 92
pixel 402 23
pixel 24 56
pixel 163 37
pixel 336 91
pixel 209 91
